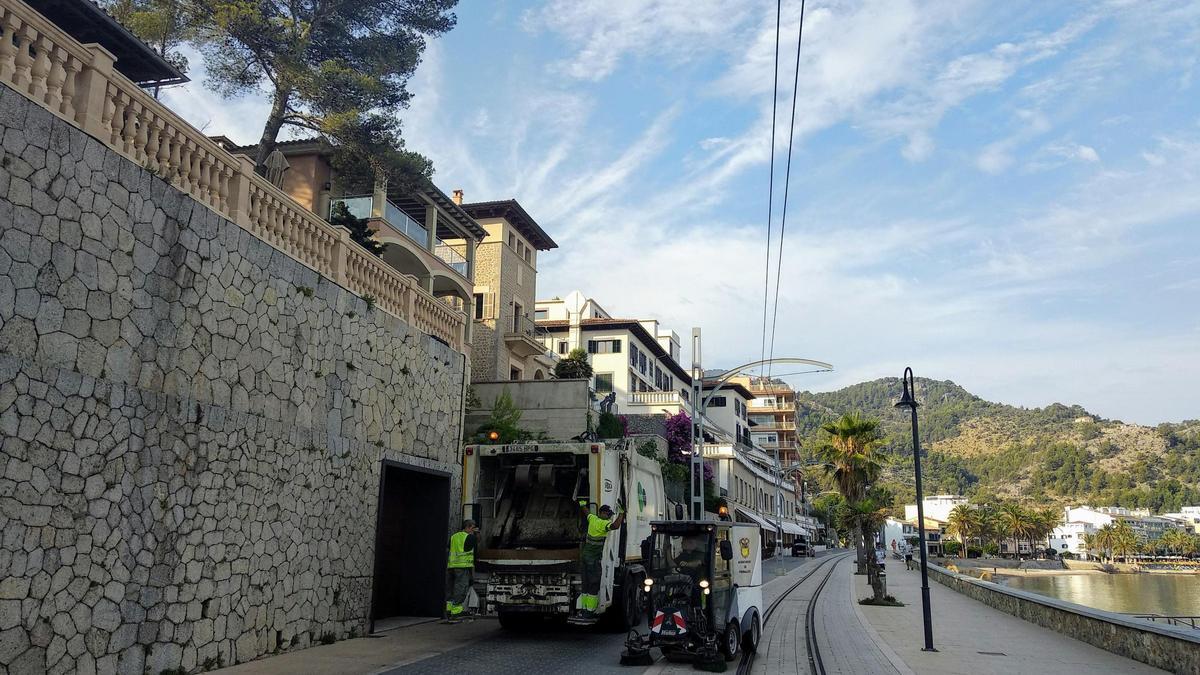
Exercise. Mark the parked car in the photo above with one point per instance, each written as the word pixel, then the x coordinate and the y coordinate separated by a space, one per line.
pixel 801 547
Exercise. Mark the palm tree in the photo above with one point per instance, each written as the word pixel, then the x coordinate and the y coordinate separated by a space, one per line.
pixel 853 458
pixel 964 523
pixel 866 517
pixel 1089 542
pixel 1105 539
pixel 1016 524
pixel 1043 523
pixel 1124 540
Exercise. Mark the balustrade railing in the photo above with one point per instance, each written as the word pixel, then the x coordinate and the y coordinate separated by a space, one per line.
pixel 77 82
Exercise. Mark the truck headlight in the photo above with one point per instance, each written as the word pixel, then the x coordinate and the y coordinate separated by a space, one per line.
pixel 704 583
pixel 648 583
pixel 706 590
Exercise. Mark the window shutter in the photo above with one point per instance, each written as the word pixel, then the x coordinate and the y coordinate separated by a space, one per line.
pixel 489 305
pixel 616 346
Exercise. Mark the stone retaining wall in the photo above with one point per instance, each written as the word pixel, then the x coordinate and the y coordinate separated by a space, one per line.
pixel 1172 649
pixel 192 423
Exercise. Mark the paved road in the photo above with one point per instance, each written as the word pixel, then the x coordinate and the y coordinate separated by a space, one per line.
pixel 553 649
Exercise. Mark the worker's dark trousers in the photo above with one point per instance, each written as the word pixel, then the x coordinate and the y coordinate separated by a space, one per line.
pixel 590 583
pixel 458 584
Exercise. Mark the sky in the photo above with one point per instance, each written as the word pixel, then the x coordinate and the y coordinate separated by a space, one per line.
pixel 1006 195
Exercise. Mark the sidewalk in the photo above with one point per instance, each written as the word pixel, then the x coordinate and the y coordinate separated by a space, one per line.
pixel 974 638
pixel 372 654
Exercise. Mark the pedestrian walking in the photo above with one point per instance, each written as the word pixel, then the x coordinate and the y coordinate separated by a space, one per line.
pixel 908 556
pixel 460 569
pixel 598 527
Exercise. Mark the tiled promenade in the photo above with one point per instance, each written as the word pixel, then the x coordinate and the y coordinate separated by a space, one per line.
pixel 973 638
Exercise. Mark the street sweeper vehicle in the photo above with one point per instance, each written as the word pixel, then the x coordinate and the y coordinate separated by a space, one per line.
pixel 526 499
pixel 703 589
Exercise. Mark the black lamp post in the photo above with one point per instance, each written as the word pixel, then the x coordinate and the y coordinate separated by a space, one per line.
pixel 909 400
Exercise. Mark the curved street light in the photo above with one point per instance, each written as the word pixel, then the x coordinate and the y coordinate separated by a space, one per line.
pixel 696 472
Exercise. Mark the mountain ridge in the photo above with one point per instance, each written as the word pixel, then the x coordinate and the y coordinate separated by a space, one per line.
pixel 1058 453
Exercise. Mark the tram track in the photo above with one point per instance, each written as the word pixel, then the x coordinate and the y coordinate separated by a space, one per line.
pixel 815 664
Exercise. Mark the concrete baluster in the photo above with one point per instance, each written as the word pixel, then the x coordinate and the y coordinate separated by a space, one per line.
pixel 56 78
pixel 24 60
pixel 204 176
pixel 136 119
pixel 39 69
pixel 153 139
pixel 176 158
pixel 72 68
pixel 338 258
pixel 8 47
pixel 163 157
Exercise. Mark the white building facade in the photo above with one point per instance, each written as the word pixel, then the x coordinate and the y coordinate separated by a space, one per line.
pixel 937 507
pixel 1069 537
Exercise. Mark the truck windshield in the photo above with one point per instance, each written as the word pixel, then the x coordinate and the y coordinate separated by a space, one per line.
pixel 681 554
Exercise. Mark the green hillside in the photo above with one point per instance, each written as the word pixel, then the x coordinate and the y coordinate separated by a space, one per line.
pixel 1054 454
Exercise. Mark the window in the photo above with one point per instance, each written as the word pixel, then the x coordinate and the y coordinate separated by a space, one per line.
pixel 633 355
pixel 518 312
pixel 529 256
pixel 604 346
pixel 512 241
pixel 479 306
pixel 642 362
pixel 541 314
pixel 562 346
pixel 716 402
pixel 604 383
pixel 514 373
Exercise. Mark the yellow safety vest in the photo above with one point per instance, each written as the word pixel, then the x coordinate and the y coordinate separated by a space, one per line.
pixel 597 529
pixel 458 557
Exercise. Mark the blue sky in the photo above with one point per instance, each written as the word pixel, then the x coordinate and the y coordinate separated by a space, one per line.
pixel 1002 194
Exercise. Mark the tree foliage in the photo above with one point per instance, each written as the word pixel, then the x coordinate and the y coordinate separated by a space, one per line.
pixel 339 68
pixel 359 231
pixel 165 25
pixel 573 366
pixel 505 420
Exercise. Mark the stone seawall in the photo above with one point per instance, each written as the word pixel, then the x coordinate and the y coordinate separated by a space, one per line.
pixel 1172 649
pixel 192 423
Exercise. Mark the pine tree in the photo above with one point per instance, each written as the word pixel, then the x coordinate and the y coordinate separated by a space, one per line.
pixel 360 232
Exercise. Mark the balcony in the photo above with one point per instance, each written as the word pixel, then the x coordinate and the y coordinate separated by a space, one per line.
pixel 775 426
pixel 525 338
pixel 78 84
pixel 390 221
pixel 658 402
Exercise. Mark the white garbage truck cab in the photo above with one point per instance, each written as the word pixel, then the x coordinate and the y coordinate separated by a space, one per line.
pixel 703 591
pixel 525 499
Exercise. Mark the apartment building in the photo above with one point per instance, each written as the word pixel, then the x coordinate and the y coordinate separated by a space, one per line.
pixel 1147 527
pixel 634 359
pixel 937 507
pixel 506 342
pixel 1069 538
pixel 901 531
pixel 772 416
pixel 1187 517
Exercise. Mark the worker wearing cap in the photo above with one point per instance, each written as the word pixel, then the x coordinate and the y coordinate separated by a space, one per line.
pixel 460 566
pixel 598 528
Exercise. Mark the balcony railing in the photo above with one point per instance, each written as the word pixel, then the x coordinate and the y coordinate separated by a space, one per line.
pixel 451 257
pixel 360 207
pixel 77 82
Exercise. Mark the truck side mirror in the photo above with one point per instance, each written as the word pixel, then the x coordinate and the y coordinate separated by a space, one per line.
pixel 726 550
pixel 679 512
pixel 647 550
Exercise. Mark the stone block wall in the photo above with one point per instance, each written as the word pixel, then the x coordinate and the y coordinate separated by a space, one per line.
pixel 191 423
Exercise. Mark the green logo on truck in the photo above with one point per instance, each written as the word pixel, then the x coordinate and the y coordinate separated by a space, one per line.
pixel 641 497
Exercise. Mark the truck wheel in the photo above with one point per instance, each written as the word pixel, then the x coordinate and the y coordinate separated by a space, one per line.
pixel 750 640
pixel 625 611
pixel 731 641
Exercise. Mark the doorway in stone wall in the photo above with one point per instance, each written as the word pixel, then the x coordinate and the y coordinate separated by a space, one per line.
pixel 410 544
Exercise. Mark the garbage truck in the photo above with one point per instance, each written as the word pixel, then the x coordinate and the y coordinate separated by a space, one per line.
pixel 525 498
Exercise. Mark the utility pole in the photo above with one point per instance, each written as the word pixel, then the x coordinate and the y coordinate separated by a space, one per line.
pixel 696 471
pixel 909 400
pixel 778 504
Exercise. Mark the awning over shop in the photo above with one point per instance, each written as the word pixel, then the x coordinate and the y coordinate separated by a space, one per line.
pixel 754 518
pixel 794 528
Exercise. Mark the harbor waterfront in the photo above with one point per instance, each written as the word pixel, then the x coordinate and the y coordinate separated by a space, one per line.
pixel 1168 594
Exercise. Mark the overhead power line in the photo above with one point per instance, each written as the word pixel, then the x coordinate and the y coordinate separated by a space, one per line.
pixel 787 176
pixel 771 184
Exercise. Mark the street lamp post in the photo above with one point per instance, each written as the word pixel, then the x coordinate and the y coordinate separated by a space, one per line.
pixel 908 400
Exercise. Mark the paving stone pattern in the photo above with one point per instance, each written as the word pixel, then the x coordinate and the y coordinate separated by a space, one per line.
pixel 191 422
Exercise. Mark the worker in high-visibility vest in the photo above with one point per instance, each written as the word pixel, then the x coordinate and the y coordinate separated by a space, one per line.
pixel 598 527
pixel 460 568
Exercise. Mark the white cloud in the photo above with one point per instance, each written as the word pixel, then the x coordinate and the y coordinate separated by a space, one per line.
pixel 994 158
